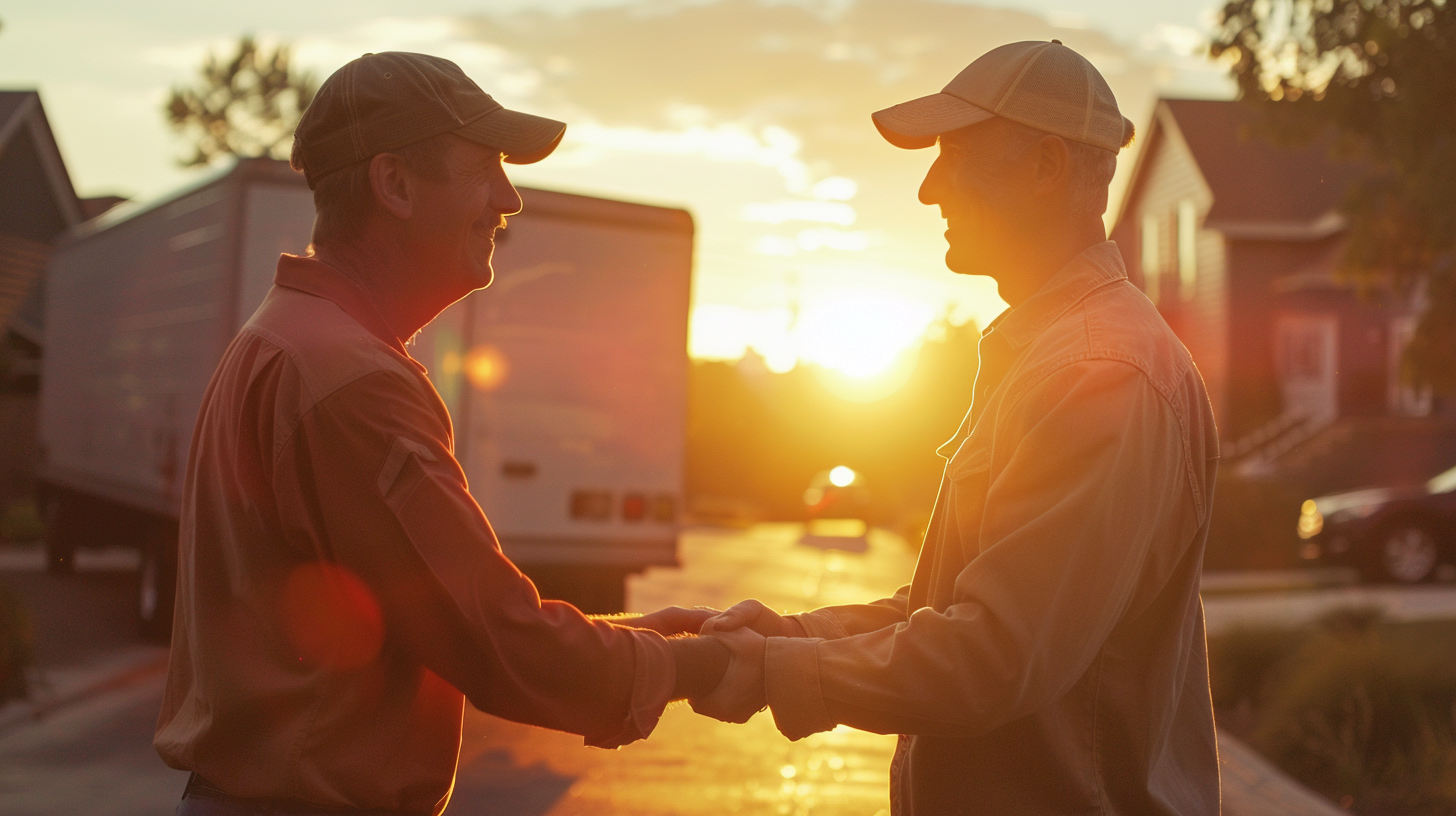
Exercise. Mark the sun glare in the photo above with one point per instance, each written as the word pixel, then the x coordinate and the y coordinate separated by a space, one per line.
pixel 861 333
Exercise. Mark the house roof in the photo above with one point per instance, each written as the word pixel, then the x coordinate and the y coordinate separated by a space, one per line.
pixel 1260 189
pixel 37 203
pixel 10 102
pixel 1253 179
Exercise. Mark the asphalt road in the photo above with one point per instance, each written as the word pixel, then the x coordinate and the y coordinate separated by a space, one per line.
pixel 93 755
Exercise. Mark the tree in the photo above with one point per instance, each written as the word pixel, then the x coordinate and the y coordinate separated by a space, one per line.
pixel 247 105
pixel 1381 76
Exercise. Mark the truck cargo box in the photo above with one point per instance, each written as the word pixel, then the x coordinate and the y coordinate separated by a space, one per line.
pixel 566 379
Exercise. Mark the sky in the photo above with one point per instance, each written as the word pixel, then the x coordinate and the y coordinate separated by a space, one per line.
pixel 753 114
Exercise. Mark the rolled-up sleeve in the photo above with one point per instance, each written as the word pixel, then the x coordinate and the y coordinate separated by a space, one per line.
pixel 384 497
pixel 1090 483
pixel 832 622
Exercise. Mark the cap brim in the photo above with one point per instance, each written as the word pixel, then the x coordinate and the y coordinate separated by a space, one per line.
pixel 522 137
pixel 916 124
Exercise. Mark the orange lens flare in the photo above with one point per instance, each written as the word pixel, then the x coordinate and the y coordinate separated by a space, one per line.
pixel 486 368
pixel 332 618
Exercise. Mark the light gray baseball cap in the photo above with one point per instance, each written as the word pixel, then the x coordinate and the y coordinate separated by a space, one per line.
pixel 1044 85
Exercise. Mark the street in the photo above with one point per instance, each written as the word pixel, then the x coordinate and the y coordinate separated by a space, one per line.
pixel 89 749
pixel 95 756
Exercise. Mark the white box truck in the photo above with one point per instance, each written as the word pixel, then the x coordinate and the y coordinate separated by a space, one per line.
pixel 566 379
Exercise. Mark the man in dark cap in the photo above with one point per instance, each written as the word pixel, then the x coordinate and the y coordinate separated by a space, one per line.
pixel 340 594
pixel 1048 656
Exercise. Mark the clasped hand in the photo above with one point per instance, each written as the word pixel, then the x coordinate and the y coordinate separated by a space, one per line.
pixel 743 629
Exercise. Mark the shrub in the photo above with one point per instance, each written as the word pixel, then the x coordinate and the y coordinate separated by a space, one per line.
pixel 1362 711
pixel 1252 524
pixel 17 651
pixel 21 522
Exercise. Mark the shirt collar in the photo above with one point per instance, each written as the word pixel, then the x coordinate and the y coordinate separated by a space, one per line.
pixel 1095 267
pixel 317 278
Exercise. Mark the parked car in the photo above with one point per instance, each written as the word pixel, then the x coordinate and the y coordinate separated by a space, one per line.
pixel 1390 534
pixel 837 493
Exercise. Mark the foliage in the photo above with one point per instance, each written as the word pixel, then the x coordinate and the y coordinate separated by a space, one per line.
pixel 1253 524
pixel 1361 710
pixel 21 522
pixel 17 647
pixel 246 105
pixel 1379 75
pixel 756 438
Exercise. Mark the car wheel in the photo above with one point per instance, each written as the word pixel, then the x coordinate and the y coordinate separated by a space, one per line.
pixel 1407 553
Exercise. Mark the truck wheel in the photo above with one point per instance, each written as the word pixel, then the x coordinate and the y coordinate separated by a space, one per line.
pixel 1405 552
pixel 157 582
pixel 60 537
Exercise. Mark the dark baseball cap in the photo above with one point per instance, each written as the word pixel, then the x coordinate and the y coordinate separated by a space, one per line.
pixel 382 102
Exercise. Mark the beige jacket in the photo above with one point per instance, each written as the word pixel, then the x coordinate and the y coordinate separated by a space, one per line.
pixel 1048 656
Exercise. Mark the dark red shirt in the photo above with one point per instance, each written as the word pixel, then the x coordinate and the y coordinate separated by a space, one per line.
pixel 339 591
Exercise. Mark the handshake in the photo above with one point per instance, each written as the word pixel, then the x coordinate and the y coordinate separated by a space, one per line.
pixel 720 672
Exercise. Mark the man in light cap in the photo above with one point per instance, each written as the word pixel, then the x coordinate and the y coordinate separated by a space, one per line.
pixel 1048 656
pixel 339 592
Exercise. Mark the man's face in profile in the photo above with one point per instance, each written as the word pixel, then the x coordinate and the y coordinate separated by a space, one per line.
pixel 978 181
pixel 461 209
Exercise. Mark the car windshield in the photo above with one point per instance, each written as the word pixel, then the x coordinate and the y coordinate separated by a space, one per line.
pixel 1443 483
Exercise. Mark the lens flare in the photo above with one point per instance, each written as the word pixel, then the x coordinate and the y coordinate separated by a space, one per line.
pixel 332 618
pixel 486 368
pixel 842 476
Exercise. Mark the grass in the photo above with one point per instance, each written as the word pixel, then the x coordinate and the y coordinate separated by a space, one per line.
pixel 1361 709
pixel 20 522
pixel 17 646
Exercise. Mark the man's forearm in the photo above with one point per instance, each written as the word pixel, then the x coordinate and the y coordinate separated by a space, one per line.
pixel 700 664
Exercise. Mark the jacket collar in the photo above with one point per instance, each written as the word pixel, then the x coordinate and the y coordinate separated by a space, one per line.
pixel 1095 267
pixel 314 277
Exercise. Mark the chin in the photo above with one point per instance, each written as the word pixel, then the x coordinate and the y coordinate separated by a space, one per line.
pixel 962 262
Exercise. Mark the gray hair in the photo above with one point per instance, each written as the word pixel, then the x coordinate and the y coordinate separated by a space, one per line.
pixel 1092 167
pixel 344 199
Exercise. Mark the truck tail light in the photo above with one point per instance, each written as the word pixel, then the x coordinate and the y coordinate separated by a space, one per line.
pixel 591 505
pixel 634 507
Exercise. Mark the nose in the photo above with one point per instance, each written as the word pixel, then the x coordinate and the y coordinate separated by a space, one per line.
pixel 932 187
pixel 504 198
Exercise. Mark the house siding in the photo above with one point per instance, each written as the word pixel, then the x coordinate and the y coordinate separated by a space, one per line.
pixel 1169 175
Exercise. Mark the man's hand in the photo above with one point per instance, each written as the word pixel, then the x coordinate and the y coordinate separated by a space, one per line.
pixel 673 620
pixel 753 615
pixel 740 694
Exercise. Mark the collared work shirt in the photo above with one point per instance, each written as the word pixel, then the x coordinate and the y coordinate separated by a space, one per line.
pixel 1048 656
pixel 340 593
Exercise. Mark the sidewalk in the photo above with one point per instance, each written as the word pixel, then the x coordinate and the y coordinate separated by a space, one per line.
pixel 53 690
pixel 1252 786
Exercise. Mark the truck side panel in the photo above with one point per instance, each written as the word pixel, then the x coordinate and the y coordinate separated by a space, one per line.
pixel 567 379
pixel 133 332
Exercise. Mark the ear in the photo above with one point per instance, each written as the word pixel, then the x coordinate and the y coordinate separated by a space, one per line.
pixel 1053 165
pixel 390 183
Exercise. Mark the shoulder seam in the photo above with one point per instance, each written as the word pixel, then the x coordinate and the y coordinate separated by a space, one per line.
pixel 313 407
pixel 1040 374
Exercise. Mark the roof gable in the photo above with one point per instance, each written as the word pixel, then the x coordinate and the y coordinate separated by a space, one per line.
pixel 37 203
pixel 1259 189
pixel 1252 178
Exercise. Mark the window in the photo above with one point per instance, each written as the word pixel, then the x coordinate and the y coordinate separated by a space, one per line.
pixel 1152 261
pixel 1187 248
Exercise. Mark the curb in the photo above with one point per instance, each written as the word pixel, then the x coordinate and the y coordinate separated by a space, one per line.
pixel 1251 785
pixel 58 689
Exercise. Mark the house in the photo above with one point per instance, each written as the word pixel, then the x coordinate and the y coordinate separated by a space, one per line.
pixel 1237 240
pixel 37 205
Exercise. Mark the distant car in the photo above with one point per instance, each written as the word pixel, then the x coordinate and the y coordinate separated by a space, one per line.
pixel 1390 534
pixel 836 493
